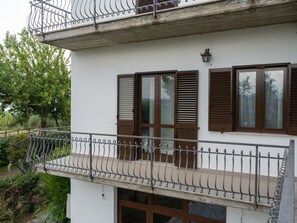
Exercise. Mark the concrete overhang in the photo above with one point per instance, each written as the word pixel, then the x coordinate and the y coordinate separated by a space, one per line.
pixel 214 16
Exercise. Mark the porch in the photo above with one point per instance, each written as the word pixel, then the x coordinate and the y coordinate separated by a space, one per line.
pixel 224 173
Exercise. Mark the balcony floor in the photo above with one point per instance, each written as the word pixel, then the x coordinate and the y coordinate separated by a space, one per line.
pixel 168 180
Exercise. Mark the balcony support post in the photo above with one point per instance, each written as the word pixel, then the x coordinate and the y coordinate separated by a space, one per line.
pixel 91 157
pixel 256 177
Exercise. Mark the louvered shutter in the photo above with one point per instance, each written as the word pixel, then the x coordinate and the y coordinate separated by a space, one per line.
pixel 186 117
pixel 292 118
pixel 220 100
pixel 125 117
pixel 144 6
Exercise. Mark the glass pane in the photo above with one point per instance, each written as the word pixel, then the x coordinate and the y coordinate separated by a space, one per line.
pixel 167 145
pixel 148 99
pixel 131 215
pixel 168 202
pixel 158 218
pixel 274 89
pixel 130 195
pixel 247 99
pixel 167 100
pixel 147 143
pixel 208 211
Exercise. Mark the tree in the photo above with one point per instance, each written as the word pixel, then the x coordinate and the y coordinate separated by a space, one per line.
pixel 34 79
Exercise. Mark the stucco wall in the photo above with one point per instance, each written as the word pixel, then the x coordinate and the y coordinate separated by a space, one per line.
pixel 235 215
pixel 94 78
pixel 92 203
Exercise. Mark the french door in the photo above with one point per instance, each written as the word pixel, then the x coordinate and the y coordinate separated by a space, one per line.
pixel 157 115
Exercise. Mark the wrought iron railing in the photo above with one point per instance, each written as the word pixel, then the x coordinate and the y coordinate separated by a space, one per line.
pixel 247 172
pixel 283 206
pixel 53 15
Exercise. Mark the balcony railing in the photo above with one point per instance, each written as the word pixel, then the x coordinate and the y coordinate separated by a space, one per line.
pixel 234 171
pixel 283 208
pixel 53 15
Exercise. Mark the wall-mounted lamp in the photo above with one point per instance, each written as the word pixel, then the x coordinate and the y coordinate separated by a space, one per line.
pixel 206 56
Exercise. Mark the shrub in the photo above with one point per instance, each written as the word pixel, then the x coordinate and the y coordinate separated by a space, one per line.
pixel 57 189
pixel 4 143
pixel 20 195
pixel 16 151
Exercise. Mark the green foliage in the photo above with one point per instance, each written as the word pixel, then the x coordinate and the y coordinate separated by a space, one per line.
pixel 34 79
pixel 16 151
pixel 19 196
pixel 34 121
pixel 57 189
pixel 4 142
pixel 6 120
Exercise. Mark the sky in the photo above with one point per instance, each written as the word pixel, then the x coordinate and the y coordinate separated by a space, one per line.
pixel 13 16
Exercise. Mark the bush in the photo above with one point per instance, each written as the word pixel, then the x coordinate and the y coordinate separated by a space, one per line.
pixel 20 195
pixel 16 151
pixel 4 143
pixel 57 189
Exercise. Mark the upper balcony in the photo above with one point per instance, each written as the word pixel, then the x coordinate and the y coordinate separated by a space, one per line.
pixel 82 24
pixel 232 174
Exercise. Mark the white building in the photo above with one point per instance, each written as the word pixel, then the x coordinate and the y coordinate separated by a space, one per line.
pixel 141 74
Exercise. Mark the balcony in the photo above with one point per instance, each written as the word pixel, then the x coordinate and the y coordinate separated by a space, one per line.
pixel 233 174
pixel 82 24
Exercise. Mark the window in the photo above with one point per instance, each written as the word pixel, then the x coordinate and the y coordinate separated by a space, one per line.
pixel 255 99
pixel 260 99
pixel 161 209
pixel 159 104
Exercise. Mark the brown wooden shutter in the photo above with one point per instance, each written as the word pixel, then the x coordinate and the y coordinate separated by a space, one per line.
pixel 186 116
pixel 141 5
pixel 292 102
pixel 220 100
pixel 126 116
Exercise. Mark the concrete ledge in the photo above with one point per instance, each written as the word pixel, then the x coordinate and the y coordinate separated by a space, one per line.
pixel 188 195
pixel 214 16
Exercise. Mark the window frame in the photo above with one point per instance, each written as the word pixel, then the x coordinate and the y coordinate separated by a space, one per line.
pixel 260 97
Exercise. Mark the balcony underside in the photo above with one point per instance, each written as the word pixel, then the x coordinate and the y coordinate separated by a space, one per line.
pixel 214 16
pixel 210 186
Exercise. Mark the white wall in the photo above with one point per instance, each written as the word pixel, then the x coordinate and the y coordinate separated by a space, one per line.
pixel 235 215
pixel 94 73
pixel 94 90
pixel 89 206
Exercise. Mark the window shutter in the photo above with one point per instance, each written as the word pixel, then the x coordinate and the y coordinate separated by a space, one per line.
pixel 292 118
pixel 186 116
pixel 144 6
pixel 125 115
pixel 220 100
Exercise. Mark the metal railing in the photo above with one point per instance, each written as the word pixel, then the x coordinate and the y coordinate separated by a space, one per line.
pixel 53 15
pixel 283 206
pixel 247 172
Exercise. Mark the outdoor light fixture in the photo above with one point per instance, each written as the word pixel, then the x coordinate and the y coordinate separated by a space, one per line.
pixel 206 56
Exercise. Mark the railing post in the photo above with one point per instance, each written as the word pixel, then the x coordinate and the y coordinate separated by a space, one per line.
pixel 152 163
pixel 42 17
pixel 43 151
pixel 94 17
pixel 91 157
pixel 256 177
pixel 155 8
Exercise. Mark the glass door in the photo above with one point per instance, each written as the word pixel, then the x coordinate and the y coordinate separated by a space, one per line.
pixel 157 116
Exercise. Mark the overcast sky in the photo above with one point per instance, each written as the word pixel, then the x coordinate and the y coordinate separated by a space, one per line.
pixel 13 16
